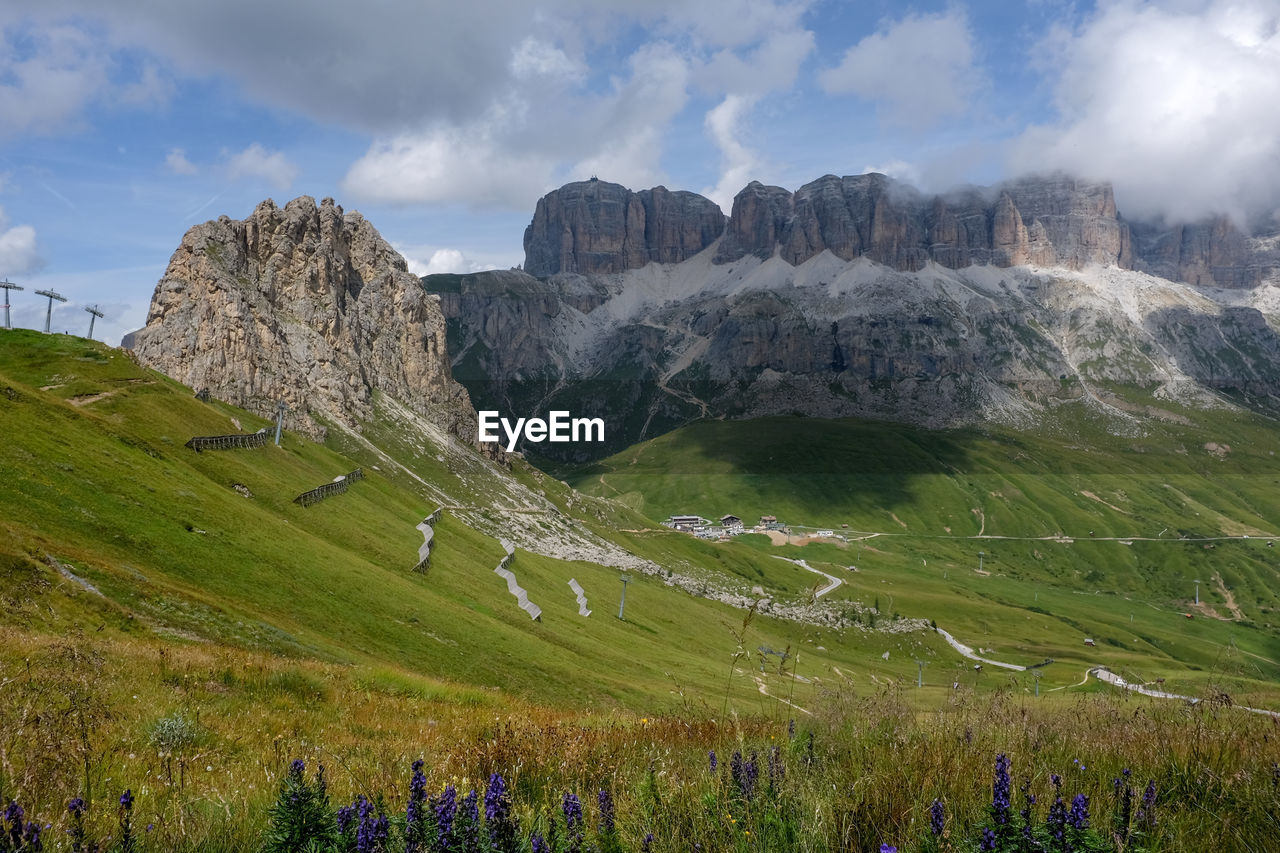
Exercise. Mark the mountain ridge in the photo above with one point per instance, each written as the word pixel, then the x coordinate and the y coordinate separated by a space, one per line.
pixel 597 227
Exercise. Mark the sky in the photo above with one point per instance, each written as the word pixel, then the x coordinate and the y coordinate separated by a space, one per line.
pixel 123 124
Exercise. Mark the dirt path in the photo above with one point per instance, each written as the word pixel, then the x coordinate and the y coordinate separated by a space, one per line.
pixel 1229 597
pixel 765 691
pixel 833 580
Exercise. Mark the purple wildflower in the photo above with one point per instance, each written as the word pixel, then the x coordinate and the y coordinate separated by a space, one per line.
pixel 776 770
pixel 13 815
pixel 471 822
pixel 791 729
pixel 499 823
pixel 605 800
pixel 414 815
pixel 1079 816
pixel 346 817
pixel 1126 812
pixel 76 808
pixel 31 839
pixel 1147 811
pixel 297 767
pixel 988 839
pixel 366 830
pixel 1056 823
pixel 126 822
pixel 647 843
pixel 937 818
pixel 1028 801
pixel 537 844
pixel 444 808
pixel 712 757
pixel 1001 811
pixel 888 848
pixel 572 809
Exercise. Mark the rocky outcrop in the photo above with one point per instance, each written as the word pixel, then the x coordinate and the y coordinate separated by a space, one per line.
pixel 598 227
pixel 1213 252
pixel 305 304
pixel 1054 221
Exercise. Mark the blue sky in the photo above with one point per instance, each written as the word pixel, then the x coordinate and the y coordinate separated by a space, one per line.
pixel 123 124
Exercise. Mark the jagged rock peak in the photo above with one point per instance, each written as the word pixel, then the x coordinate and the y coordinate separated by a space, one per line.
pixel 599 227
pixel 305 304
pixel 1049 221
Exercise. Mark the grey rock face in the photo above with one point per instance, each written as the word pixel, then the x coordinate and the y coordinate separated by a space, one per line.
pixel 304 304
pixel 1054 221
pixel 598 227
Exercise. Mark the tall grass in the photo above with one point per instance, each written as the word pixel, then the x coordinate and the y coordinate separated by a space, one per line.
pixel 204 737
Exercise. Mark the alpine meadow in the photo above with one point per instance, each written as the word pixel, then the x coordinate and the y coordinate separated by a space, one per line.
pixel 543 505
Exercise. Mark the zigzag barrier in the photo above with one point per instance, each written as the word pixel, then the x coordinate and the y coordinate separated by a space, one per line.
pixel 582 597
pixel 428 534
pixel 337 487
pixel 522 597
pixel 228 442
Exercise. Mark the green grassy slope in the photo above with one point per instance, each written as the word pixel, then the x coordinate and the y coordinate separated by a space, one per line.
pixel 98 479
pixel 1062 518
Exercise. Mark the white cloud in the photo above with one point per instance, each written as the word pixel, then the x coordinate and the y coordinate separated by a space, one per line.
pixel 532 139
pixel 176 162
pixel 443 260
pixel 899 170
pixel 918 70
pixel 19 252
pixel 738 164
pixel 1176 104
pixel 257 162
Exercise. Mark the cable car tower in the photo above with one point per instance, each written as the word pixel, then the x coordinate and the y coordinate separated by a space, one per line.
pixel 94 314
pixel 48 314
pixel 7 286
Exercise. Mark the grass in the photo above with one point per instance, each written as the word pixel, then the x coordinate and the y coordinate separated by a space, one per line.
pixel 161 631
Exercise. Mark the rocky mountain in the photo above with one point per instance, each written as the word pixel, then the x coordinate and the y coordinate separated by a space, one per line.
pixel 305 304
pixel 598 227
pixel 860 296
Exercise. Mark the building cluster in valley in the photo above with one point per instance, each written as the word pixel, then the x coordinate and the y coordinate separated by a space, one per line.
pixel 731 525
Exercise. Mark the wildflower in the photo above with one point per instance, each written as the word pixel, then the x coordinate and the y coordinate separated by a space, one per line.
pixel 1079 816
pixel 537 844
pixel 606 812
pixel 647 843
pixel 77 807
pixel 31 838
pixel 1126 813
pixel 414 816
pixel 471 822
pixel 1000 792
pixel 13 815
pixel 346 817
pixel 499 823
pixel 937 819
pixel 888 848
pixel 1147 811
pixel 775 767
pixel 126 822
pixel 1057 822
pixel 791 729
pixel 444 808
pixel 572 809
pixel 297 766
pixel 712 756
pixel 1028 801
pixel 988 839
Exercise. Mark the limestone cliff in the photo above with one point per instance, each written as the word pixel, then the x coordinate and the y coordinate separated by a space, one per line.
pixel 598 227
pixel 1054 221
pixel 304 304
